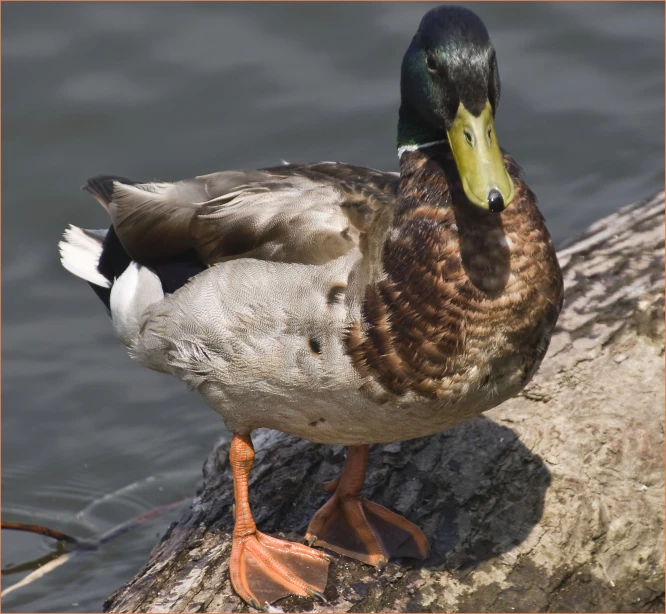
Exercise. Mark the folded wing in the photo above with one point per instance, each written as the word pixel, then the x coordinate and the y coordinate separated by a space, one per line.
pixel 308 214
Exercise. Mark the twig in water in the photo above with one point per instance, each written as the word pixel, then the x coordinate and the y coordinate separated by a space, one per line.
pixel 37 528
pixel 79 546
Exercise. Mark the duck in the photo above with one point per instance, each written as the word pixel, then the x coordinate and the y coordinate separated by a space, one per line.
pixel 340 304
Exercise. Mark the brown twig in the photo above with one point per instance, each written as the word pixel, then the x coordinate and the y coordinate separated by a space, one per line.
pixel 41 530
pixel 57 559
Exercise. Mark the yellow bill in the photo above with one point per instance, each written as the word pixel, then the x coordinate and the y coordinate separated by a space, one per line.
pixel 479 159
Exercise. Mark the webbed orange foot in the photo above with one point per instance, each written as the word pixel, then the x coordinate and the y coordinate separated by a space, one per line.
pixel 264 569
pixel 351 525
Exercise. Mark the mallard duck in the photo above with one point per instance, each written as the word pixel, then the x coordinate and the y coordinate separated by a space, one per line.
pixel 340 304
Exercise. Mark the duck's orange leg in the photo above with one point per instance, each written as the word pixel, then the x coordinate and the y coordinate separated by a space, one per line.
pixel 263 568
pixel 350 525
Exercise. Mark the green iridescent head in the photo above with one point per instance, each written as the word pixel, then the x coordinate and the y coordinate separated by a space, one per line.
pixel 450 89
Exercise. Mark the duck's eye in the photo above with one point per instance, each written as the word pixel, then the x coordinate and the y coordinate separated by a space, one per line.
pixel 431 63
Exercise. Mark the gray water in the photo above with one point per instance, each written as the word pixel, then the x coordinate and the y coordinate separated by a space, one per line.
pixel 169 91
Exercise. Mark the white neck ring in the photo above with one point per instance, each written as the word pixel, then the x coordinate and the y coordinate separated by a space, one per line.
pixel 404 148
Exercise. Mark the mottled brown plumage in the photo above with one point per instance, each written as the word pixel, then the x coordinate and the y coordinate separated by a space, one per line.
pixel 462 287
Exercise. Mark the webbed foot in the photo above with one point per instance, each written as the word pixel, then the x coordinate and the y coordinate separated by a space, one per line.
pixel 264 569
pixel 351 525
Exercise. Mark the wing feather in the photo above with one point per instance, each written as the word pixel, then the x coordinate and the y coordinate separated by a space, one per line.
pixel 308 214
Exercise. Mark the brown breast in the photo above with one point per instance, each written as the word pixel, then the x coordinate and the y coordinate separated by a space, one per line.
pixel 467 297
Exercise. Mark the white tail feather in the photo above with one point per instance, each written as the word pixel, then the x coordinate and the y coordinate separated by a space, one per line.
pixel 80 252
pixel 135 290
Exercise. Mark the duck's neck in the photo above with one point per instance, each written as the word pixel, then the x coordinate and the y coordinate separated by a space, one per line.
pixel 413 132
pixel 434 223
pixel 440 254
pixel 429 180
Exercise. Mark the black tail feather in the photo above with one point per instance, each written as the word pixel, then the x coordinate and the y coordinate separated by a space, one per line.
pixel 104 294
pixel 173 273
pixel 112 263
pixel 178 270
pixel 101 186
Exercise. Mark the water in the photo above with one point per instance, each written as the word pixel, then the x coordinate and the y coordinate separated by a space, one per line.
pixel 173 90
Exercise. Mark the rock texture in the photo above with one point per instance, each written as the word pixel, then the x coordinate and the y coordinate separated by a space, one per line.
pixel 551 502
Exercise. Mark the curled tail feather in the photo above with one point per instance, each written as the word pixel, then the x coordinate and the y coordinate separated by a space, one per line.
pixel 80 251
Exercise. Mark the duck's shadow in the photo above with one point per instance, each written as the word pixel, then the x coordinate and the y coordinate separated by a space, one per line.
pixel 476 491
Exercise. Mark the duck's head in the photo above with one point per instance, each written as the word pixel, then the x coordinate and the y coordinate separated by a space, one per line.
pixel 450 89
